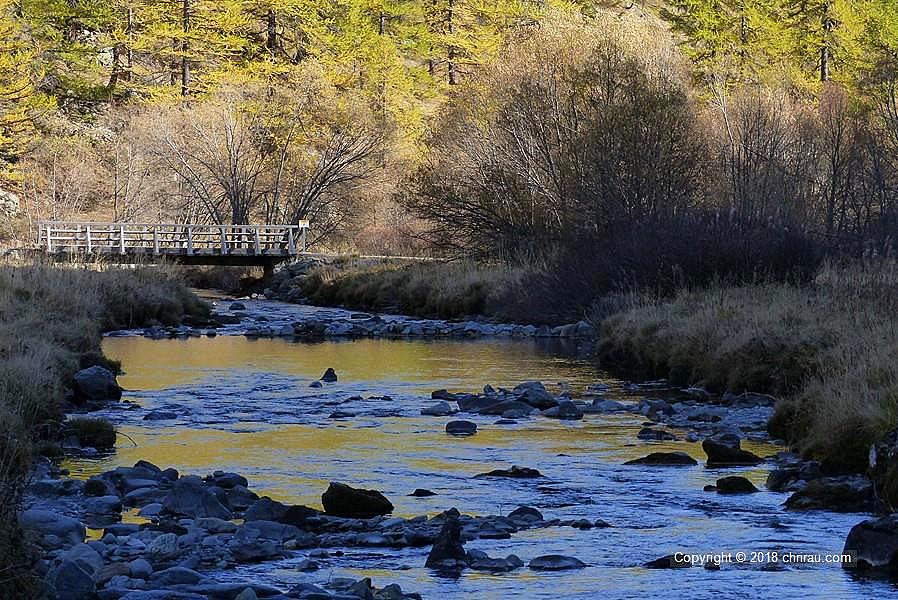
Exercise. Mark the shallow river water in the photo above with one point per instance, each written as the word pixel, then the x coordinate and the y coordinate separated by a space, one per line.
pixel 246 406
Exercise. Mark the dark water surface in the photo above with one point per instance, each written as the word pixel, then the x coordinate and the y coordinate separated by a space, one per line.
pixel 246 406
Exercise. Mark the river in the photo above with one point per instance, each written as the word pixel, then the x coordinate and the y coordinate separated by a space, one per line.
pixel 246 405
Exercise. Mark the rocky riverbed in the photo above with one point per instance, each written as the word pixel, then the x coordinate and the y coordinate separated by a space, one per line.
pixel 550 481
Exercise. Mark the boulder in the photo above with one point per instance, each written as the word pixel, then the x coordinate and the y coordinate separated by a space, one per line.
pixel 344 501
pixel 422 493
pixel 735 485
pixel 103 505
pixel 440 409
pixel 507 406
pixel 566 410
pixel 725 455
pixel 535 394
pixel 496 565
pixel 668 562
pixel 461 428
pixel 883 468
pixel 164 546
pixel 525 514
pixel 72 582
pixel 448 552
pixel 472 403
pixel 673 459
pixel 515 472
pixel 188 497
pixel 237 306
pixel 176 576
pixel 655 435
pixel 47 523
pixel 874 545
pixel 555 562
pixel 604 406
pixel 847 493
pixel 96 384
pixel 85 557
pixel 330 376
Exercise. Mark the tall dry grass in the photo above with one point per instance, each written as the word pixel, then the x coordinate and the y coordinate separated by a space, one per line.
pixel 826 350
pixel 51 319
pixel 427 289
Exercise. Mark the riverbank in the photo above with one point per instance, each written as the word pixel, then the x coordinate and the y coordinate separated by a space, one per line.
pixel 825 350
pixel 50 328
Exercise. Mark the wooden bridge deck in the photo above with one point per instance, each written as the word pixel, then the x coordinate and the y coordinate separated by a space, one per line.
pixel 245 245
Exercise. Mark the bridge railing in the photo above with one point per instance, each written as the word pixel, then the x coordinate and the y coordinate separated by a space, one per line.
pixel 172 238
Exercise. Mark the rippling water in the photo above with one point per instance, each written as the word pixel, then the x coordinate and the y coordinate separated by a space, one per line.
pixel 246 405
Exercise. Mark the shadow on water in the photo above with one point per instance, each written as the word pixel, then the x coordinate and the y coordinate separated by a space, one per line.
pixel 246 405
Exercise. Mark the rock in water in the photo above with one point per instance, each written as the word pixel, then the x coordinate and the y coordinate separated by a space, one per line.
pixel 848 493
pixel 555 562
pixel 72 582
pixel 566 410
pixel 448 552
pixel 724 455
pixel 674 459
pixel 461 428
pixel 96 384
pixel 188 497
pixel 44 522
pixel 342 500
pixel 440 409
pixel 330 376
pixel 735 485
pixel 422 493
pixel 874 544
pixel 515 472
pixel 667 562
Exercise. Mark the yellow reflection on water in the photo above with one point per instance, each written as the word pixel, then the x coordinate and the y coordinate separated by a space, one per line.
pixel 159 364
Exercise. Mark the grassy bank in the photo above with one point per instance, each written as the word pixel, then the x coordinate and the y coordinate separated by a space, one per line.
pixel 427 289
pixel 51 321
pixel 826 349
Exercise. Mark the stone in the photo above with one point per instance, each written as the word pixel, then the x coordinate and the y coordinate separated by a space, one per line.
pixel 140 568
pixel 330 376
pixel 735 485
pixel 655 435
pixel 265 509
pixel 214 526
pixel 555 562
pixel 422 493
pixel 164 546
pixel 472 403
pixel 85 557
pixel 507 406
pixel 461 428
pixel 566 410
pixel 189 498
pixel 307 566
pixel 160 415
pixel 883 468
pixel 526 514
pixel 72 582
pixel 724 455
pixel 443 395
pixel 514 472
pixel 847 493
pixel 96 384
pixel 44 522
pixel 103 505
pixel 874 545
pixel 237 306
pixel 534 394
pixel 671 459
pixel 440 409
pixel 344 501
pixel 176 576
pixel 271 530
pixel 604 406
pixel 668 562
pixel 448 550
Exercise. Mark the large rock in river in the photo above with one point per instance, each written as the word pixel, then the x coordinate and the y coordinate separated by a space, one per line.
pixel 883 468
pixel 448 552
pixel 673 459
pixel 47 523
pixel 726 455
pixel 189 497
pixel 342 500
pixel 874 544
pixel 848 493
pixel 96 384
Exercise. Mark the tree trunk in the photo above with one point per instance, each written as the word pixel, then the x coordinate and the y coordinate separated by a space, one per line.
pixel 185 47
pixel 451 52
pixel 271 40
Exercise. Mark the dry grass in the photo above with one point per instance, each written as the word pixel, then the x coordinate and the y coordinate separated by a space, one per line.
pixel 827 350
pixel 428 289
pixel 51 320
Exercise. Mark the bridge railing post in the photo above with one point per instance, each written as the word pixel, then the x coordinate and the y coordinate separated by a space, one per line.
pixel 291 245
pixel 304 229
pixel 121 239
pixel 155 240
pixel 224 240
pixel 49 235
pixel 258 243
pixel 189 240
pixel 90 246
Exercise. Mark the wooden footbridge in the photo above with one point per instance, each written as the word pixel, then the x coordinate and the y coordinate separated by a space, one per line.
pixel 234 245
